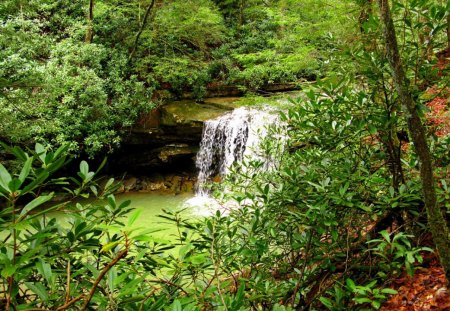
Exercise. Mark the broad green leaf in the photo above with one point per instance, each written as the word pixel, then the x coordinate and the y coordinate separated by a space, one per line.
pixel 111 278
pixel 35 183
pixel 133 217
pixel 84 169
pixel 5 178
pixel 176 306
pixel 35 203
pixel 25 169
pixel 38 289
pixel 40 151
pixel 109 183
pixel 197 259
pixel 385 235
pixel 376 304
pixel 8 270
pixel 105 160
pixel 362 300
pixel 109 246
pixel 112 200
pixel 350 284
pixel 130 287
pixel 389 291
pixel 124 204
pixel 326 302
pixel 45 269
pixel 61 151
pixel 14 185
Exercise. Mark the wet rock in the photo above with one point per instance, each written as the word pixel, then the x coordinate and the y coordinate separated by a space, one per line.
pixel 167 153
pixel 130 184
pixel 156 186
pixel 188 186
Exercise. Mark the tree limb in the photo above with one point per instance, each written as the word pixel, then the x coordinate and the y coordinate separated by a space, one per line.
pixel 144 23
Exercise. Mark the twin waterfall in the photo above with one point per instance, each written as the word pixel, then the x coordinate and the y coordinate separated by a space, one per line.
pixel 231 138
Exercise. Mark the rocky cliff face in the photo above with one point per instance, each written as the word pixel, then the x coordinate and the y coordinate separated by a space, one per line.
pixel 166 139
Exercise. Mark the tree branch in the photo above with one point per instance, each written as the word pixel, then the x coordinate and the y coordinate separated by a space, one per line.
pixel 144 23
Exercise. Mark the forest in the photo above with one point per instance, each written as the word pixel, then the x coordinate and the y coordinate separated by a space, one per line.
pixel 318 131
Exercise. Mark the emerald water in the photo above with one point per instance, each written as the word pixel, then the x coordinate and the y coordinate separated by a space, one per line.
pixel 151 205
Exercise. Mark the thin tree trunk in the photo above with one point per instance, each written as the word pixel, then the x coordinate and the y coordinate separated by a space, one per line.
pixel 90 30
pixel 144 23
pixel 436 220
pixel 448 31
pixel 366 11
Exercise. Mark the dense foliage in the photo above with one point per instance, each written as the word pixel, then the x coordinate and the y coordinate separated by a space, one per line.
pixel 339 212
pixel 79 76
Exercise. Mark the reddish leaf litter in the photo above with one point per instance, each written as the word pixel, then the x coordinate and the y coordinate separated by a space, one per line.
pixel 443 60
pixel 439 116
pixel 426 290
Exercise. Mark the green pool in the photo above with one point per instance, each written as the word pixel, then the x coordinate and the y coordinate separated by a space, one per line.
pixel 152 204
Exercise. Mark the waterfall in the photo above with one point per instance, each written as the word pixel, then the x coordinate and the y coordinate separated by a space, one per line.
pixel 229 139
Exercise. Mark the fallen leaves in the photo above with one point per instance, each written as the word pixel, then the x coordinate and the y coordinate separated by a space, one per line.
pixel 426 290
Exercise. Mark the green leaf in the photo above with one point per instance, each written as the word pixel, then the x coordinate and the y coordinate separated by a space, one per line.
pixel 8 270
pixel 109 246
pixel 112 200
pixel 35 183
pixel 326 302
pixel 272 232
pixel 84 169
pixel 38 289
pixel 124 204
pixel 105 160
pixel 385 235
pixel 109 183
pixel 25 169
pixel 392 191
pixel 35 203
pixel 40 151
pixel 61 151
pixel 376 304
pixel 410 257
pixel 198 259
pixel 361 300
pixel 134 216
pixel 45 269
pixel 14 184
pixel 111 278
pixel 5 178
pixel 389 291
pixel 177 306
pixel 350 284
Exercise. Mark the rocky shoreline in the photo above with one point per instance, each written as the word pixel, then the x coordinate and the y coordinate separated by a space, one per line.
pixel 174 184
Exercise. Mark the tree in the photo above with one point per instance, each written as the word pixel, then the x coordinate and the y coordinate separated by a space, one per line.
pixel 436 220
pixel 144 23
pixel 90 18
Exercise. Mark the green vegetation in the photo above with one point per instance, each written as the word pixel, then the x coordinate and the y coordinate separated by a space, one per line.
pixel 359 180
pixel 81 72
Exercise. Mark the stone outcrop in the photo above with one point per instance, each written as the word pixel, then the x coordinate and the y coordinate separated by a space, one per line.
pixel 158 182
pixel 166 139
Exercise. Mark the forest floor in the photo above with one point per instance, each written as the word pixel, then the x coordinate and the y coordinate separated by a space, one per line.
pixel 426 290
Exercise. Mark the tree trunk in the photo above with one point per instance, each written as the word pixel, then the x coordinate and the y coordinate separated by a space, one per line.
pixel 436 220
pixel 90 31
pixel 364 14
pixel 144 23
pixel 448 31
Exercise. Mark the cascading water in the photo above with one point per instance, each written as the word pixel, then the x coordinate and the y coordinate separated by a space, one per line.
pixel 229 139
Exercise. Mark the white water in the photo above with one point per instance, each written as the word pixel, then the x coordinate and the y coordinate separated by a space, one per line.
pixel 232 138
